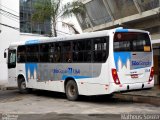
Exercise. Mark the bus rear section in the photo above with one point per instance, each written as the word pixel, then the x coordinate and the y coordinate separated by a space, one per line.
pixel 132 52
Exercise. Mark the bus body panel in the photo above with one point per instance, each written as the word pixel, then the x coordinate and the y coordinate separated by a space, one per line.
pixel 133 67
pixel 133 86
pixel 133 59
pixel 52 77
pixel 91 78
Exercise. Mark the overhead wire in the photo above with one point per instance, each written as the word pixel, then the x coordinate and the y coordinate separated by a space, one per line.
pixel 14 17
pixel 9 26
pixel 9 13
pixel 9 9
pixel 9 17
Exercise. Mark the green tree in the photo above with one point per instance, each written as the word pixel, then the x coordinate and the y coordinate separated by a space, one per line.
pixel 53 9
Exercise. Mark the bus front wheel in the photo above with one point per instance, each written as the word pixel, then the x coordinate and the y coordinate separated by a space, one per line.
pixel 22 86
pixel 71 90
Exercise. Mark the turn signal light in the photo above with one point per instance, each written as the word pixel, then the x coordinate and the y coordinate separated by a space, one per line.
pixel 151 74
pixel 115 76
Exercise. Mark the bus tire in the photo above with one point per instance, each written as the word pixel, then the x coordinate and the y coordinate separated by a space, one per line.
pixel 22 86
pixel 71 90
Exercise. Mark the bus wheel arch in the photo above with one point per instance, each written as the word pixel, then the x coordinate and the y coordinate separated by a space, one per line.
pixel 22 84
pixel 71 89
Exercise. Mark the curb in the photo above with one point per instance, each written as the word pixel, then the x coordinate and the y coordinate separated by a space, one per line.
pixel 3 88
pixel 139 99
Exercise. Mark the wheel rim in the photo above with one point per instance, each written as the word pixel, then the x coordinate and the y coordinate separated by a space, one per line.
pixel 72 90
pixel 23 86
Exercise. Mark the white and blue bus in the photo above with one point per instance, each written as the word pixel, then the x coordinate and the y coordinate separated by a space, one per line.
pixel 95 63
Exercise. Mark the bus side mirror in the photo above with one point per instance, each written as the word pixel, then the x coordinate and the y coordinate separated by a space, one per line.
pixel 5 54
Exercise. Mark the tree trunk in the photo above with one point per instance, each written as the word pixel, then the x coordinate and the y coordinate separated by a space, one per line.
pixel 55 32
pixel 54 27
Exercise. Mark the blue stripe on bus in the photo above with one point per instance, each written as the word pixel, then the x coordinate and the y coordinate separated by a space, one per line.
pixel 75 77
pixel 121 30
pixel 30 42
pixel 30 69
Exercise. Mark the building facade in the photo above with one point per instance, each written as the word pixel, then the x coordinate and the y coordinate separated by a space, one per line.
pixel 139 14
pixel 26 23
pixel 15 25
pixel 135 14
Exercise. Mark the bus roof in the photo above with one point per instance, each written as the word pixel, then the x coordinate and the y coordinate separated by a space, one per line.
pixel 76 36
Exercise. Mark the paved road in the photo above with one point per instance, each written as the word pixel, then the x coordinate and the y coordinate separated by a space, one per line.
pixel 46 105
pixel 53 116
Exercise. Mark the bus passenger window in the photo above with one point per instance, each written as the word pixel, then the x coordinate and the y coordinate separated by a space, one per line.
pixel 44 52
pixel 87 56
pixel 88 44
pixel 32 53
pixel 82 51
pixel 57 54
pixel 51 52
pixel 66 52
pixel 21 54
pixel 77 56
pixel 99 50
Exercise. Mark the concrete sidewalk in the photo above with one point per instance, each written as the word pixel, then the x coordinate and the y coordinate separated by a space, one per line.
pixel 3 84
pixel 151 96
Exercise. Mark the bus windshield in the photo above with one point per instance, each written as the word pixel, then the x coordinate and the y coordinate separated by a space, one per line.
pixel 132 41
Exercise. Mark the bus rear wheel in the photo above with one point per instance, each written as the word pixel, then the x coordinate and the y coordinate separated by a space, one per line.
pixel 71 90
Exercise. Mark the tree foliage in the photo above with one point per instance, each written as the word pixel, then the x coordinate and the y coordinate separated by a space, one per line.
pixel 53 9
pixel 73 8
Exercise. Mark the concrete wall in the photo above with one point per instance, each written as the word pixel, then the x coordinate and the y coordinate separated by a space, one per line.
pixel 62 29
pixel 9 35
pixel 28 36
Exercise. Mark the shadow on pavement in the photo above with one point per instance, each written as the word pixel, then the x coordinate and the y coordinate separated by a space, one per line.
pixel 109 99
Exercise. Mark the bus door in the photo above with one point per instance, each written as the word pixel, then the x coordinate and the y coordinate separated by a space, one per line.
pixel 12 78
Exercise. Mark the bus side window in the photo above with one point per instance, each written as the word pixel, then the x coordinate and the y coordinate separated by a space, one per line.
pixel 99 50
pixel 44 52
pixel 82 51
pixel 88 51
pixel 57 53
pixel 78 48
pixel 21 54
pixel 66 52
pixel 32 53
pixel 51 52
